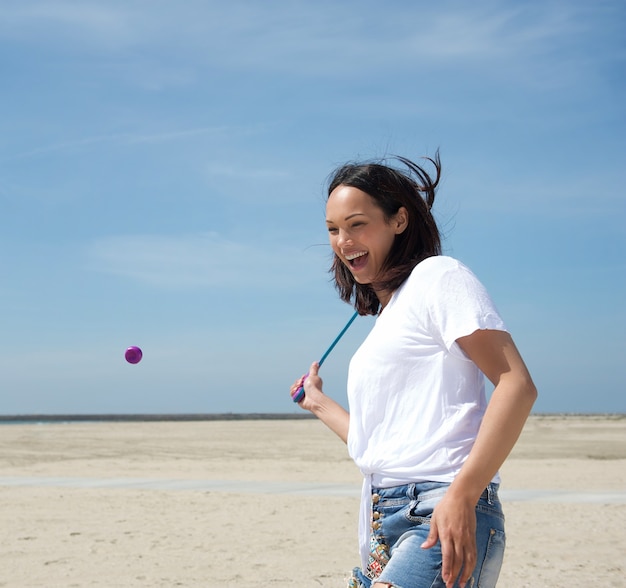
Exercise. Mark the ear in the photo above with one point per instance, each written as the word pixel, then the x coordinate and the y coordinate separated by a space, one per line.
pixel 401 220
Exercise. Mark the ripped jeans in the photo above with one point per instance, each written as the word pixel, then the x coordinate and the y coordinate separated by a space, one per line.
pixel 401 523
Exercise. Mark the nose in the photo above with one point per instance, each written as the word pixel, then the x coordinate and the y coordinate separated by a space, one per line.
pixel 343 238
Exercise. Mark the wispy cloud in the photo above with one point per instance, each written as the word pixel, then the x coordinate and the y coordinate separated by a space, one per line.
pixel 524 50
pixel 194 261
pixel 97 21
pixel 322 38
pixel 133 138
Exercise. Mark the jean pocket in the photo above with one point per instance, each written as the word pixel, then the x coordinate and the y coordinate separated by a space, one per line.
pixel 421 509
pixel 411 515
pixel 420 512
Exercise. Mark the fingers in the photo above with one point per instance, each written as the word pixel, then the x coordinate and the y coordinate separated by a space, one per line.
pixel 313 384
pixel 456 559
pixel 448 553
pixel 452 556
pixel 458 554
pixel 296 391
pixel 297 385
pixel 467 569
pixel 433 537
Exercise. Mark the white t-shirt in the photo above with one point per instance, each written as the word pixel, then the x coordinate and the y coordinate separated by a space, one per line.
pixel 416 401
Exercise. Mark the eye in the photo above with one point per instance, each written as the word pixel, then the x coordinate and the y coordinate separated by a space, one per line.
pixel 333 230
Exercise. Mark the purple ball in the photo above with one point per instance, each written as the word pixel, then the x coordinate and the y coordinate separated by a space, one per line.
pixel 133 354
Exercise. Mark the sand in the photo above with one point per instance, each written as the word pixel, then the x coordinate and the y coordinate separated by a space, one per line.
pixel 274 503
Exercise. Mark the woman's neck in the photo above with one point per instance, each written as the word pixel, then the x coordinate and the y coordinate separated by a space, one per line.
pixel 384 297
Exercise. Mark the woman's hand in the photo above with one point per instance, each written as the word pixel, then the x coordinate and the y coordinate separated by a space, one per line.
pixel 333 415
pixel 453 524
pixel 312 385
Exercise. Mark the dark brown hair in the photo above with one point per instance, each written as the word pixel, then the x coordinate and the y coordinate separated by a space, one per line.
pixel 391 188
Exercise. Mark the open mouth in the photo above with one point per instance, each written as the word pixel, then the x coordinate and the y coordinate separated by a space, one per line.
pixel 357 260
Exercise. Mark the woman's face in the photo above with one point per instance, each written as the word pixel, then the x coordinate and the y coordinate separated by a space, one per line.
pixel 359 233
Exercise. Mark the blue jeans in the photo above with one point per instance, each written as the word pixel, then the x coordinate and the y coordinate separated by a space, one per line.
pixel 401 523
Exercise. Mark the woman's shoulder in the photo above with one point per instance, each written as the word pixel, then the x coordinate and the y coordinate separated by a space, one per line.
pixel 437 273
pixel 428 273
pixel 438 264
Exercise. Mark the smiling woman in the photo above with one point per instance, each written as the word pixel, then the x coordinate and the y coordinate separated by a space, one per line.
pixel 378 195
pixel 360 235
pixel 419 427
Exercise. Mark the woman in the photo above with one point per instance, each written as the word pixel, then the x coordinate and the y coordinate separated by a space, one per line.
pixel 419 427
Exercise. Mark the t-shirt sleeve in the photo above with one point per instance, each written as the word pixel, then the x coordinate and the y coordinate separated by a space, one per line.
pixel 459 304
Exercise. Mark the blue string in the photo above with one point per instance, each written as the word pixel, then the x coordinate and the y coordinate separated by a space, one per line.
pixel 299 395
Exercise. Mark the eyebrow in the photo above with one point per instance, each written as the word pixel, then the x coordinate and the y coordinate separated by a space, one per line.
pixel 348 217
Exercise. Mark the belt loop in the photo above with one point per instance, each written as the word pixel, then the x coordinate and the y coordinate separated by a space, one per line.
pixel 490 493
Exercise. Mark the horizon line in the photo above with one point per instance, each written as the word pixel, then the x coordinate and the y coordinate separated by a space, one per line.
pixel 227 416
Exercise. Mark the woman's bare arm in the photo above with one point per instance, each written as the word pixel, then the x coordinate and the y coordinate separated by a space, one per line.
pixel 454 521
pixel 332 414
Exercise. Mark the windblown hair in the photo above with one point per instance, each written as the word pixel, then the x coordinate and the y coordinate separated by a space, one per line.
pixel 391 188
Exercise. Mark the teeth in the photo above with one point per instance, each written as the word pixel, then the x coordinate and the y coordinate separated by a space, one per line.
pixel 355 255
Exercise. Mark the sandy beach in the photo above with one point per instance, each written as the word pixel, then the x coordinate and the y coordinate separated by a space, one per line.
pixel 274 502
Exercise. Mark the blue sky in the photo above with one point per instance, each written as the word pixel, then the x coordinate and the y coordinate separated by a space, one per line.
pixel 162 175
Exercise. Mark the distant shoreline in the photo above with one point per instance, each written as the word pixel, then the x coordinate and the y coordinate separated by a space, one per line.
pixel 64 418
pixel 254 416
